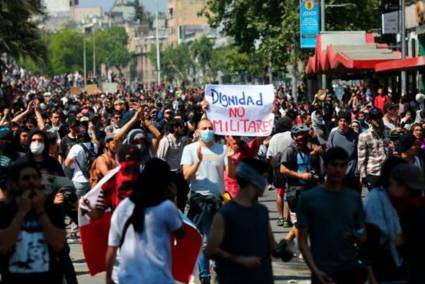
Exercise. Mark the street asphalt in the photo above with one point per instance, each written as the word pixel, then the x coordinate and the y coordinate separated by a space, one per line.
pixel 293 272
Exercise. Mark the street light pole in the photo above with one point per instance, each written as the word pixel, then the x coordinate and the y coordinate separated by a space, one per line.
pixel 403 42
pixel 85 61
pixel 322 29
pixel 94 53
pixel 158 60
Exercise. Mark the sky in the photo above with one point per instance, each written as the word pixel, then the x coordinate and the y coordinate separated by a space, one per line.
pixel 107 4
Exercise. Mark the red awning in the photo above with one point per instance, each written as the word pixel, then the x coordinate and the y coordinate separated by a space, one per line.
pixel 401 64
pixel 348 53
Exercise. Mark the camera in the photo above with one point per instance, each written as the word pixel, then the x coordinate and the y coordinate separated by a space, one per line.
pixel 69 197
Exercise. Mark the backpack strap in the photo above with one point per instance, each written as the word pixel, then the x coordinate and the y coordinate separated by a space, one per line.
pixel 124 231
pixel 89 150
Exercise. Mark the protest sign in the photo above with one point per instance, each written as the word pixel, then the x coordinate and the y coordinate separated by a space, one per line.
pixel 75 91
pixel 109 87
pixel 240 110
pixel 92 89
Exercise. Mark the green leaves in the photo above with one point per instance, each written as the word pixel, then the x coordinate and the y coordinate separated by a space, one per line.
pixel 66 47
pixel 271 27
pixel 199 62
pixel 19 35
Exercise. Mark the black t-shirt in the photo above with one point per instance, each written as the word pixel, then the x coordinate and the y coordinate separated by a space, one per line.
pixel 246 234
pixel 49 165
pixel 66 145
pixel 31 260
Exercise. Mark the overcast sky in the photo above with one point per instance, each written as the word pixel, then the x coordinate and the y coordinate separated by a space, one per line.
pixel 107 4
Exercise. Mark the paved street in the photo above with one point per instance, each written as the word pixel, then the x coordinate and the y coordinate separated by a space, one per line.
pixel 292 272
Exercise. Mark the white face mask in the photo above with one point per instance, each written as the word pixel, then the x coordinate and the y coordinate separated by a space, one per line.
pixel 36 148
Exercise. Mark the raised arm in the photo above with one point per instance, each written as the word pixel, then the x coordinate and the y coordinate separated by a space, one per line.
pixel 23 114
pixel 120 134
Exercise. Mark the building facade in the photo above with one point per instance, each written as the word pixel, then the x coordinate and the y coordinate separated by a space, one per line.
pixel 185 21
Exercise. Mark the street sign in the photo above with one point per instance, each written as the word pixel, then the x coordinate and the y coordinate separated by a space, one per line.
pixel 390 23
pixel 309 22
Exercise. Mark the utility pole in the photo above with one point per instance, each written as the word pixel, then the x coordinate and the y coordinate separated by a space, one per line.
pixel 322 29
pixel 403 42
pixel 158 60
pixel 85 61
pixel 94 53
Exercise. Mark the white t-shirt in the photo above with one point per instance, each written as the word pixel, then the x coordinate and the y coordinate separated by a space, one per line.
pixel 145 258
pixel 79 156
pixel 279 143
pixel 209 178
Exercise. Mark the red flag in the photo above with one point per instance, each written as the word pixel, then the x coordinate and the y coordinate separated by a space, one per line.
pixel 94 237
pixel 94 233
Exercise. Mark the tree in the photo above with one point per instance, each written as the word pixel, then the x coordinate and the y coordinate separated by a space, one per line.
pixel 19 35
pixel 111 47
pixel 271 27
pixel 202 52
pixel 176 63
pixel 66 51
pixel 66 47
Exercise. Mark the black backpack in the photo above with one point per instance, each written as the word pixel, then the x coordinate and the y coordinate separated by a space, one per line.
pixel 88 161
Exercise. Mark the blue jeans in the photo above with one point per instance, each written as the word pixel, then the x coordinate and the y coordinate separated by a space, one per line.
pixel 201 212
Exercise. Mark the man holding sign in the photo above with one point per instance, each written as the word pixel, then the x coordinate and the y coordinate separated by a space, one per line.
pixel 204 164
pixel 240 110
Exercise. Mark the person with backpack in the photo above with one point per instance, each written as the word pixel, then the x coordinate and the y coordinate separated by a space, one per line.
pixel 277 145
pixel 80 158
pixel 171 146
pixel 298 166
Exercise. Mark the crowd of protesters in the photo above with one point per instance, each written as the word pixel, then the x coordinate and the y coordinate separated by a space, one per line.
pixel 321 159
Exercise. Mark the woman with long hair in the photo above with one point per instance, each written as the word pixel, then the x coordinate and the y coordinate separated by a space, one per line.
pixel 141 227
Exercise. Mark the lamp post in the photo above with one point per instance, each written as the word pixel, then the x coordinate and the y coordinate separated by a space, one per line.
pixel 85 60
pixel 94 53
pixel 323 7
pixel 158 60
pixel 322 29
pixel 403 43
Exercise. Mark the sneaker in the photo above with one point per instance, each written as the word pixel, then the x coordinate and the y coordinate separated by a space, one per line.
pixel 287 223
pixel 279 222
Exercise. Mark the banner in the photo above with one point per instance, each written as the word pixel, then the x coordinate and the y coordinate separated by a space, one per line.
pixel 309 22
pixel 109 87
pixel 240 110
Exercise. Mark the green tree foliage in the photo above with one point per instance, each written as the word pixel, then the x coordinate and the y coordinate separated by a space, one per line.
pixel 176 63
pixel 19 35
pixel 111 47
pixel 199 62
pixel 271 27
pixel 65 50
